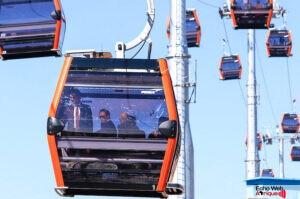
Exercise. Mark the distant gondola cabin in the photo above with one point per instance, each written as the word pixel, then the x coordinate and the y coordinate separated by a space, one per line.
pixel 193 29
pixel 29 29
pixel 279 43
pixel 290 123
pixel 251 14
pixel 295 153
pixel 230 67
pixel 258 141
pixel 267 173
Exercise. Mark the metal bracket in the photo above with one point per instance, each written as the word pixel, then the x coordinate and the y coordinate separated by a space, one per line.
pixel 121 47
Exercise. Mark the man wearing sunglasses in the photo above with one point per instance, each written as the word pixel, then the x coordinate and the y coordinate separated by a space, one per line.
pixel 108 129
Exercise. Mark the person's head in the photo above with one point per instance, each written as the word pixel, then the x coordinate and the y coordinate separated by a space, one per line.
pixel 123 117
pixel 104 115
pixel 75 96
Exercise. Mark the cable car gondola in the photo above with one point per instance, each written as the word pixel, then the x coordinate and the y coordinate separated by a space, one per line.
pixel 251 14
pixel 279 43
pixel 230 67
pixel 31 28
pixel 193 29
pixel 113 128
pixel 295 153
pixel 258 141
pixel 290 123
pixel 267 173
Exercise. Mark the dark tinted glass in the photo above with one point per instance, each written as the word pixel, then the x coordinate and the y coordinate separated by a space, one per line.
pixel 290 121
pixel 133 111
pixel 25 11
pixel 279 40
pixel 230 65
pixel 251 4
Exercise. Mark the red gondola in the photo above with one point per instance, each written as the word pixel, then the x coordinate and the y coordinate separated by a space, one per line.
pixel 295 153
pixel 290 123
pixel 31 28
pixel 193 29
pixel 113 128
pixel 279 43
pixel 258 141
pixel 267 173
pixel 251 14
pixel 230 67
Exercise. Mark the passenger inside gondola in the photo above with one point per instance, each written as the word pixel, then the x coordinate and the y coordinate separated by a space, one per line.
pixel 122 112
pixel 77 116
pixel 108 129
pixel 128 127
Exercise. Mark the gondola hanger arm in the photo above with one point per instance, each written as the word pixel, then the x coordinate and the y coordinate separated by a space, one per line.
pixel 121 47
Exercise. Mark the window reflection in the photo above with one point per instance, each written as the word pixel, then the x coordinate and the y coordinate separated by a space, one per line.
pixel 113 112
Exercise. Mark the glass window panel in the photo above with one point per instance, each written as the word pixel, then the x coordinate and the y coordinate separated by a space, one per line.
pixel 134 112
pixel 230 65
pixel 26 11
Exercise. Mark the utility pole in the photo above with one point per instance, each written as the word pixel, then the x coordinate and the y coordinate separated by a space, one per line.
pixel 178 59
pixel 253 161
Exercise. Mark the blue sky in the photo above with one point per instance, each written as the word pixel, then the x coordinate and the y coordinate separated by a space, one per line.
pixel 218 120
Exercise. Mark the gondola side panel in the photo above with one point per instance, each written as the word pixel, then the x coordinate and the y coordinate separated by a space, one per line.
pixel 52 113
pixel 58 26
pixel 170 150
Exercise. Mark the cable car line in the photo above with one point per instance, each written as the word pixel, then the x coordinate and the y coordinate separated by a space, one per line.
pixel 208 4
pixel 266 85
pixel 229 47
pixel 289 81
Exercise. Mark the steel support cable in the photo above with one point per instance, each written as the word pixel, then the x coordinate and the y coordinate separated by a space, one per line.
pixel 266 85
pixel 239 83
pixel 208 4
pixel 289 80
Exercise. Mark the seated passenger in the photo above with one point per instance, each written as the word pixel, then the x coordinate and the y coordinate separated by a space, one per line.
pixel 156 133
pixel 77 116
pixel 108 128
pixel 128 127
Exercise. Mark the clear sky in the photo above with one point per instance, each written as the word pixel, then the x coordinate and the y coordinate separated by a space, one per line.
pixel 218 120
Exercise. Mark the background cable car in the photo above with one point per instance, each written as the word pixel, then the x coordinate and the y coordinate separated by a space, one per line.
pixel 295 153
pixel 31 28
pixel 126 140
pixel 267 173
pixel 290 123
pixel 258 140
pixel 193 29
pixel 230 67
pixel 251 14
pixel 279 43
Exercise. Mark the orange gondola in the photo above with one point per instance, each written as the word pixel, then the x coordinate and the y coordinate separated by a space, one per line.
pixel 31 28
pixel 295 153
pixel 267 173
pixel 279 43
pixel 290 123
pixel 258 141
pixel 230 67
pixel 113 128
pixel 251 14
pixel 193 29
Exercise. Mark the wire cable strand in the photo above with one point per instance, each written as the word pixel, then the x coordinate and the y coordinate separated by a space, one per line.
pixel 265 84
pixel 226 35
pixel 208 4
pixel 289 80
pixel 229 46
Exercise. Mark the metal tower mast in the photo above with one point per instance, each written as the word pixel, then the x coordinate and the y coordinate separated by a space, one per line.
pixel 253 161
pixel 178 59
